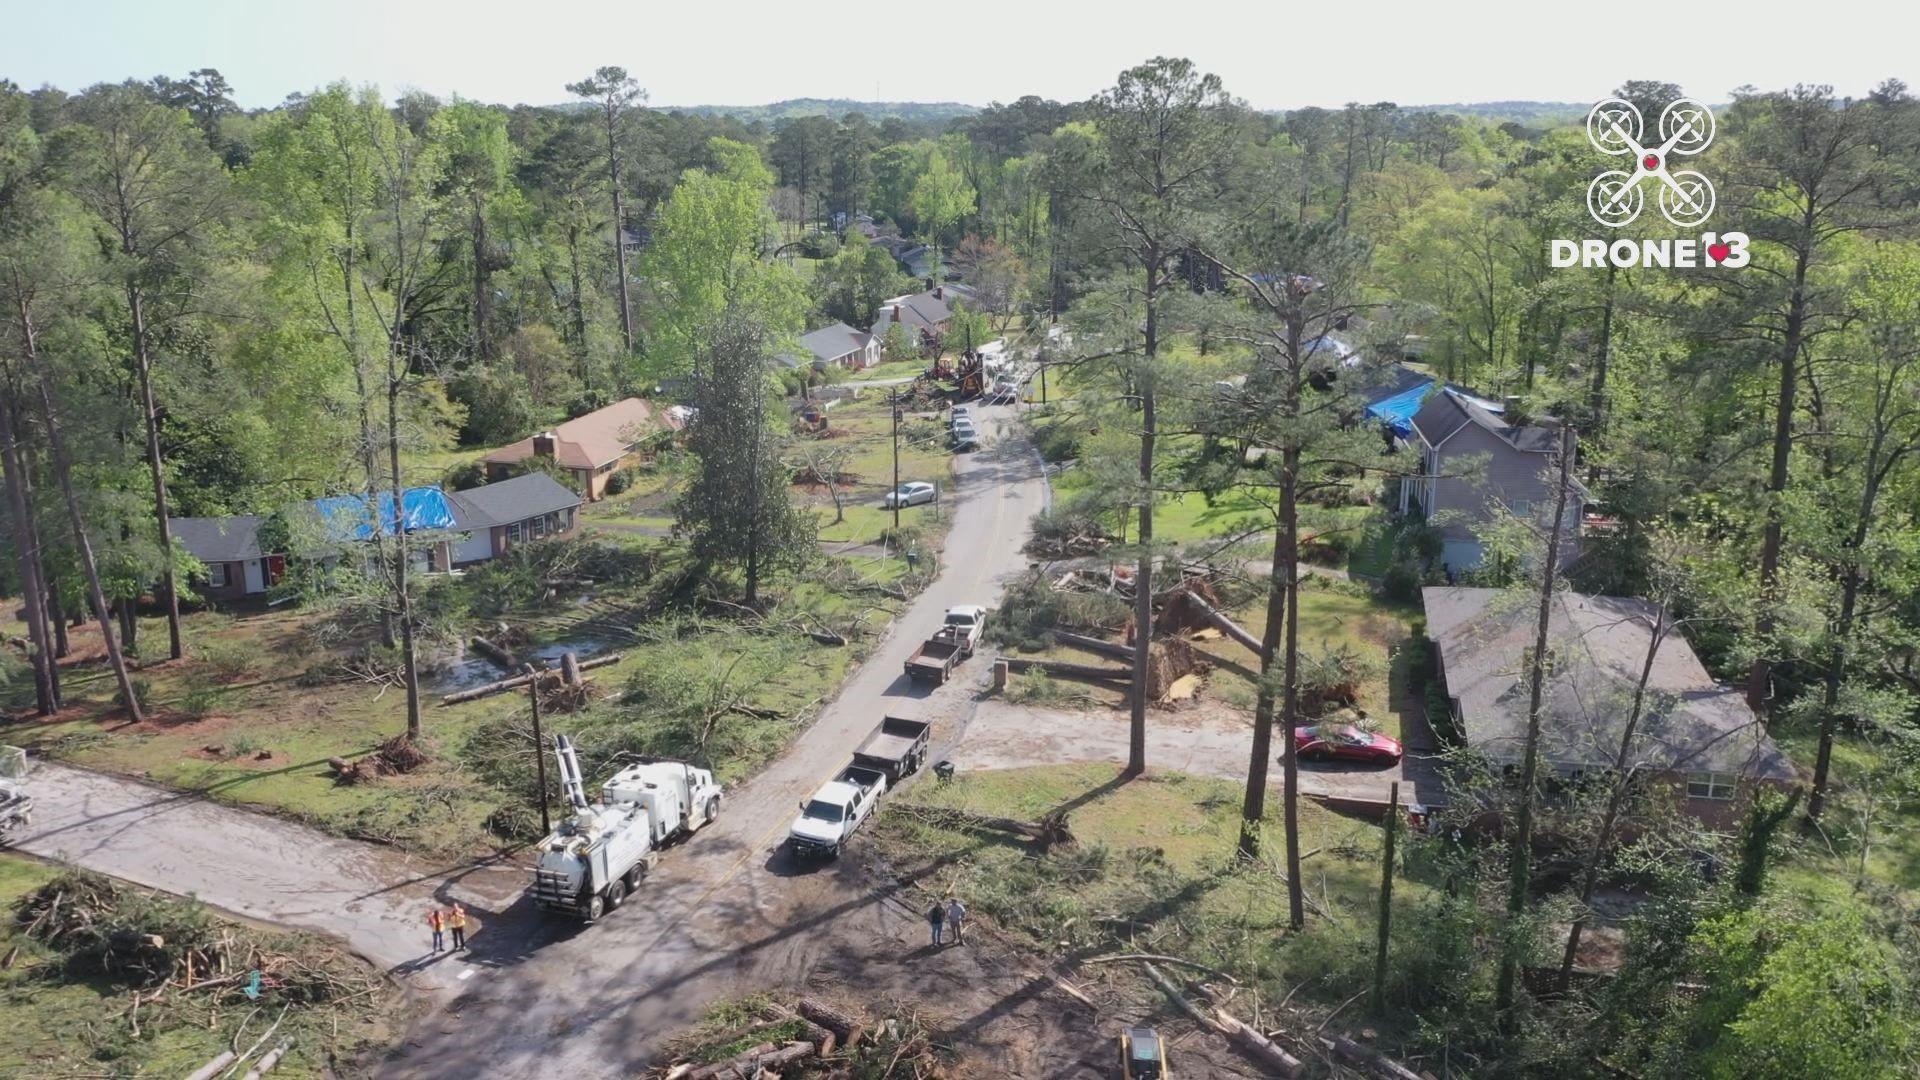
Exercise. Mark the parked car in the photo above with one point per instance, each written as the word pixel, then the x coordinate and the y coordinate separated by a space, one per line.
pixel 911 494
pixel 1345 742
pixel 960 414
pixel 965 437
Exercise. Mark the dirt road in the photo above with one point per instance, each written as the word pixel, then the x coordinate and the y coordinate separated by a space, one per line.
pixel 728 912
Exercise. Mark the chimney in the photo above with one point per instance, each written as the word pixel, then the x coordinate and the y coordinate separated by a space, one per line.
pixel 940 292
pixel 896 313
pixel 543 444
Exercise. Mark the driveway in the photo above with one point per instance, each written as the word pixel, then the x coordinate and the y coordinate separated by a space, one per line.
pixel 1202 740
pixel 256 866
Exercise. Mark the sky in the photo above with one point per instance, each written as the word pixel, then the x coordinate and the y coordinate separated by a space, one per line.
pixel 747 52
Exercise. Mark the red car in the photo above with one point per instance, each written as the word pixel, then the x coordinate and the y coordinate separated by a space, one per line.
pixel 1344 742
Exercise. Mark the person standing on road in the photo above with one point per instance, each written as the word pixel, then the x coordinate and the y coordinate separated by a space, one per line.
pixel 437 922
pixel 937 919
pixel 458 920
pixel 956 914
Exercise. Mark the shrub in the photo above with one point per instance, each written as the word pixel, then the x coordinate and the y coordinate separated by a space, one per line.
pixel 1402 583
pixel 230 660
pixel 466 475
pixel 243 745
pixel 621 480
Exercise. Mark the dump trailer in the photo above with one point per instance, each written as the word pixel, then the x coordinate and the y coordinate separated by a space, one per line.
pixel 936 657
pixel 898 747
pixel 589 864
pixel 843 804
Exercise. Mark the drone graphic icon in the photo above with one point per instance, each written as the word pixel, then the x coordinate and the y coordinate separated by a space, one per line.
pixel 1614 198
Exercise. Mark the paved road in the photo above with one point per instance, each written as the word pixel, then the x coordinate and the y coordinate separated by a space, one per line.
pixel 252 865
pixel 728 912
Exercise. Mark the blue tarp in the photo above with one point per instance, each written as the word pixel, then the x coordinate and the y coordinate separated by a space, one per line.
pixel 1397 411
pixel 347 517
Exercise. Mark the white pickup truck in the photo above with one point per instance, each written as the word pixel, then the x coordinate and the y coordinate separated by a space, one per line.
pixel 829 819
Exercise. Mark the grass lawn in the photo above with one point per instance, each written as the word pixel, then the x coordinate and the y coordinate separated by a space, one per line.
pixel 1154 870
pixel 892 369
pixel 243 720
pixel 62 1024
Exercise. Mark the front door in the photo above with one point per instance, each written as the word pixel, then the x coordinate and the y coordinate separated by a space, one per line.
pixel 256 580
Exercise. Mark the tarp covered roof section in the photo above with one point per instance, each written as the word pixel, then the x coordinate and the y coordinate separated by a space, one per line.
pixel 348 517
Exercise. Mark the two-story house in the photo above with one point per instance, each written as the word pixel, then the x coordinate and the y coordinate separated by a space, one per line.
pixel 1472 463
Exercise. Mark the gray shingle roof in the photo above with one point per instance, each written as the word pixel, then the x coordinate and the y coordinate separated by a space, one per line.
pixel 830 343
pixel 221 539
pixel 1597 646
pixel 508 501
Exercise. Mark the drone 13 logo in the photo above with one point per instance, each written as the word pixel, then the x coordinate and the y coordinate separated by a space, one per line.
pixel 1616 197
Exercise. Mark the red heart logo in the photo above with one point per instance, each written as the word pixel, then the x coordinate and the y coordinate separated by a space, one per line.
pixel 1719 252
pixel 1650 161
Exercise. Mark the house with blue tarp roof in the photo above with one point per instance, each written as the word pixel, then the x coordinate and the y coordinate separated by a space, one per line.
pixel 352 517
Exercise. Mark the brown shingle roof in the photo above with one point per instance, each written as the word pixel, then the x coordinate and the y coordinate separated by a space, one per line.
pixel 593 440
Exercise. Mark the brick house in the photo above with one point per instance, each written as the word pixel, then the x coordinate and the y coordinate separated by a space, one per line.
pixel 929 312
pixel 589 448
pixel 495 518
pixel 229 547
pixel 1697 740
pixel 1452 430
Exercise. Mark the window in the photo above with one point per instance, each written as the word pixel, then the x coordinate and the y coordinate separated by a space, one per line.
pixel 566 519
pixel 217 575
pixel 539 527
pixel 513 533
pixel 1703 785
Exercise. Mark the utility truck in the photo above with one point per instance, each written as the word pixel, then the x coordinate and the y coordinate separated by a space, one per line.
pixel 895 750
pixel 595 858
pixel 936 657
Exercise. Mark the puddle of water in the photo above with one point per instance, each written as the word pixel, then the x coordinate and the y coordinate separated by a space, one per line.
pixel 469 669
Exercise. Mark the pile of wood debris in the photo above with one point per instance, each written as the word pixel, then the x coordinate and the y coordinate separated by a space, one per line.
pixel 395 757
pixel 812 1037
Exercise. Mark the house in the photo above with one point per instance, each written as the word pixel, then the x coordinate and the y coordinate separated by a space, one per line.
pixel 229 547
pixel 1698 740
pixel 494 518
pixel 588 447
pixel 840 345
pixel 1472 462
pixel 925 312
pixel 344 519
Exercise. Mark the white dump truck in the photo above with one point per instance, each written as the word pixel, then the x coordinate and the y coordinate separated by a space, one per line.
pixel 594 859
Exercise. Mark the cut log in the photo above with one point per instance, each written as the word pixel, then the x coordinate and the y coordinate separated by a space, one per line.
pixel 1066 670
pixel 1260 1048
pixel 501 658
pixel 822 1038
pixel 1094 645
pixel 570 668
pixel 1227 626
pixel 213 1068
pixel 846 1028
pixel 519 681
pixel 750 1063
pixel 272 1059
pixel 1355 1054
pixel 1173 992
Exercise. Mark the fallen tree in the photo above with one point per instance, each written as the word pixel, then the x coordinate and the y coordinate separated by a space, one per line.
pixel 1048 831
pixel 544 675
pixel 1268 1053
pixel 1066 670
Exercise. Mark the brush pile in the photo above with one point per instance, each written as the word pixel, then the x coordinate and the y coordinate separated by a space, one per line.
pixel 172 954
pixel 763 1038
pixel 395 757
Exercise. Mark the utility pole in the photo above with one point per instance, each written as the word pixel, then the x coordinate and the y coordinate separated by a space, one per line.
pixel 539 746
pixel 1386 901
pixel 893 400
